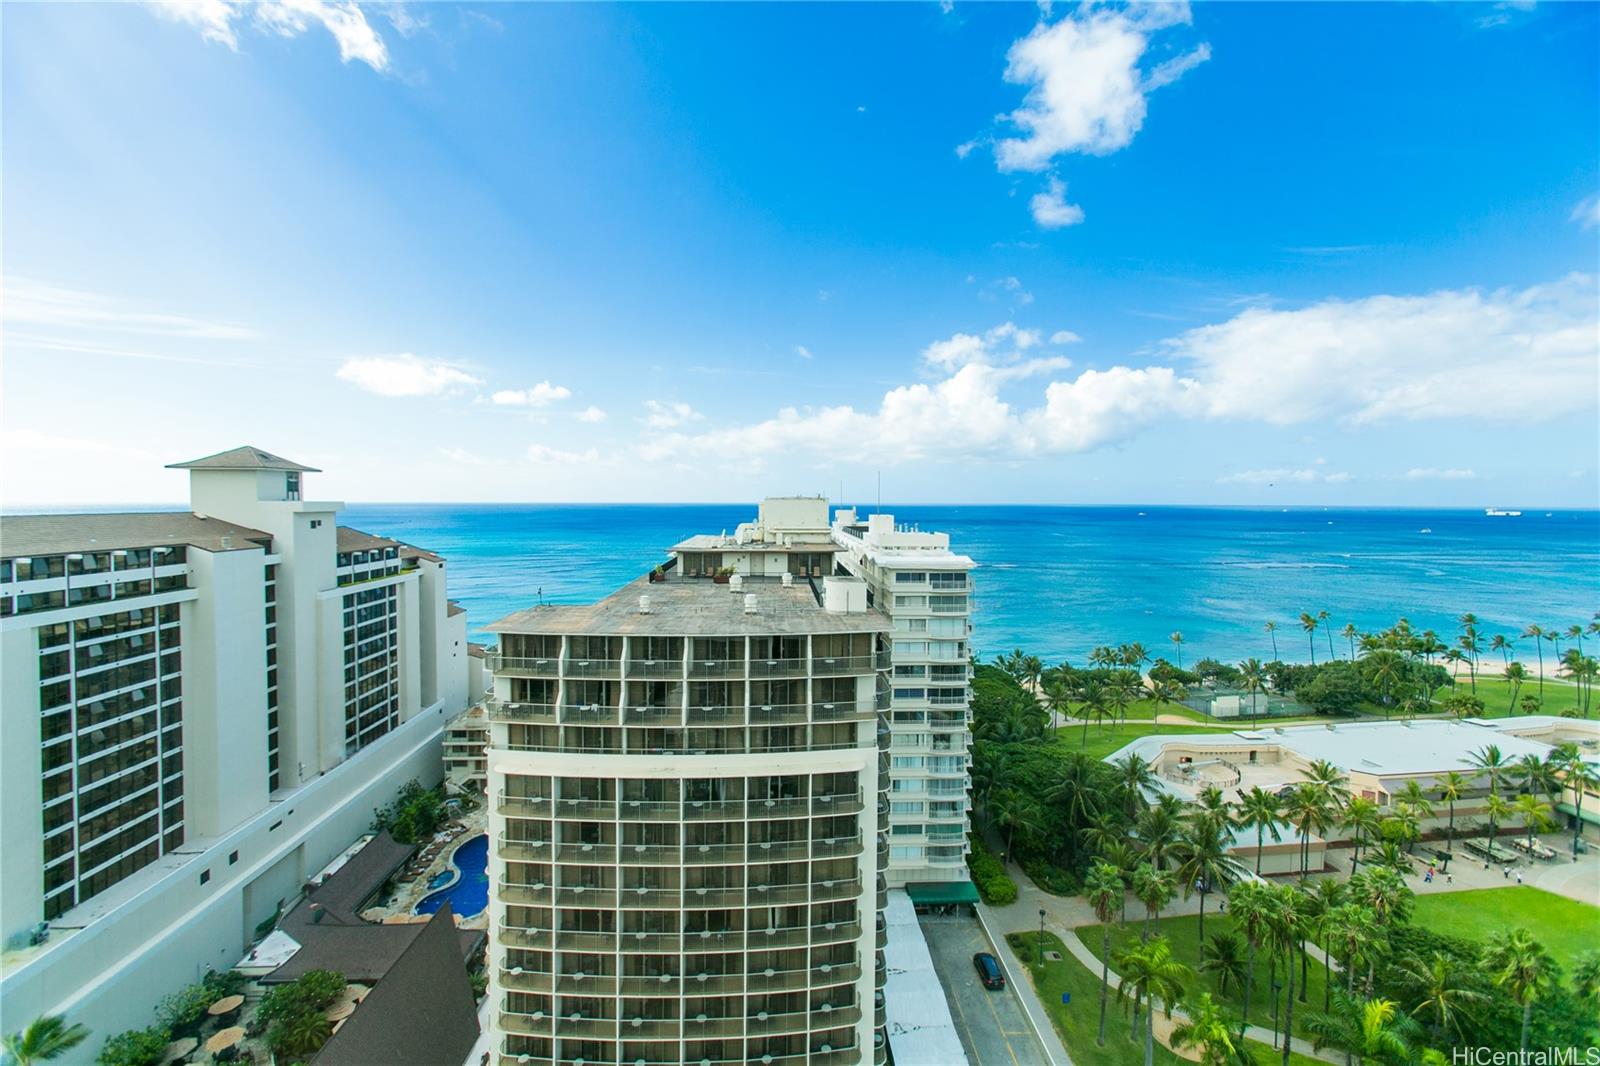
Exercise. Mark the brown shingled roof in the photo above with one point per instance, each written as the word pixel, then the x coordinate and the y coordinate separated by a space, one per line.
pixel 56 534
pixel 243 458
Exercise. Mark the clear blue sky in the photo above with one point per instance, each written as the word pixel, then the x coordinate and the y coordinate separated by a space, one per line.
pixel 1244 253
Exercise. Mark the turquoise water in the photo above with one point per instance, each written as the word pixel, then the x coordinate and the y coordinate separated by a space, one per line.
pixel 470 892
pixel 1058 581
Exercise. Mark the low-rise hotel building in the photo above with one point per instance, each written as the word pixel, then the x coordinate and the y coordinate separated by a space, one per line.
pixel 200 709
pixel 687 783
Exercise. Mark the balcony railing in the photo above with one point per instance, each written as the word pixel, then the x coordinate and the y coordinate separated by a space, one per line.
pixel 779 850
pixel 587 854
pixel 780 714
pixel 577 807
pixel 763 1024
pixel 591 714
pixel 715 715
pixel 649 811
pixel 524 806
pixel 586 984
pixel 650 941
pixel 708 983
pixel 525 895
pixel 774 894
pixel 585 896
pixel 639 1027
pixel 783 807
pixel 712 810
pixel 648 854
pixel 584 940
pixel 650 984
pixel 835 932
pixel 593 668
pixel 843 711
pixel 824 891
pixel 649 898
pixel 524 850
pixel 710 668
pixel 713 940
pixel 521 980
pixel 766 668
pixel 509 711
pixel 837 803
pixel 836 848
pixel 709 896
pixel 655 667
pixel 519 937
pixel 833 666
pixel 712 854
pixel 537 1024
pixel 569 1026
pixel 524 665
pixel 770 980
pixel 781 937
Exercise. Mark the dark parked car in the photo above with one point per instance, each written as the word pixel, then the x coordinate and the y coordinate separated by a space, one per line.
pixel 989 970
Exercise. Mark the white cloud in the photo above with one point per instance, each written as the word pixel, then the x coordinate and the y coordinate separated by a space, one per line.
pixel 543 455
pixel 403 375
pixel 1506 356
pixel 965 148
pixel 1064 336
pixel 541 395
pixel 1050 208
pixel 219 20
pixel 591 414
pixel 1587 213
pixel 1268 477
pixel 39 304
pixel 802 351
pixel 1086 91
pixel 1433 474
pixel 668 415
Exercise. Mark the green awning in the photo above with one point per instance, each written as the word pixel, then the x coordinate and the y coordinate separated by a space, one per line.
pixel 942 892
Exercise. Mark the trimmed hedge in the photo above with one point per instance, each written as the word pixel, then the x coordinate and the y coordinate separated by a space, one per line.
pixel 990 877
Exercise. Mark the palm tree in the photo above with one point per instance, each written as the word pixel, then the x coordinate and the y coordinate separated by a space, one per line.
pixel 1056 696
pixel 1498 810
pixel 1177 646
pixel 1308 809
pixel 1204 862
pixel 1155 889
pixel 1013 809
pixel 1104 890
pixel 1535 775
pixel 49 1036
pixel 1285 931
pixel 1149 971
pixel 1272 631
pixel 1157 829
pixel 1522 967
pixel 1440 992
pixel 1261 811
pixel 1502 644
pixel 1535 814
pixel 1308 622
pixel 1515 675
pixel 1354 928
pixel 1254 678
pixel 1375 1030
pixel 1361 816
pixel 1586 980
pixel 1250 905
pixel 1451 786
pixel 1537 633
pixel 1224 961
pixel 1349 634
pixel 1580 777
pixel 1207 1029
pixel 1134 775
pixel 1492 761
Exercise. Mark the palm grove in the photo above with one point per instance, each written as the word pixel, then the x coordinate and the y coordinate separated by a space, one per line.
pixel 1344 967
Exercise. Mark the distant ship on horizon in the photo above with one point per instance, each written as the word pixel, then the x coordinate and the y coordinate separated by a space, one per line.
pixel 1495 512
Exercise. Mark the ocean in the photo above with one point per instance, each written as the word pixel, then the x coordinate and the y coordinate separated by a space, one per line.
pixel 1057 581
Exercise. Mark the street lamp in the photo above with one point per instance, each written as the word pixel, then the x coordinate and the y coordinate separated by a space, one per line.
pixel 1041 937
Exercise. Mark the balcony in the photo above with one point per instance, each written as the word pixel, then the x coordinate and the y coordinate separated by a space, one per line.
pixel 788 807
pixel 713 940
pixel 827 1055
pixel 585 940
pixel 711 1027
pixel 825 1018
pixel 662 984
pixel 575 1024
pixel 772 895
pixel 585 896
pixel 645 941
pixel 586 984
pixel 525 895
pixel 761 669
pixel 536 1024
pixel 824 891
pixel 713 810
pixel 641 898
pixel 671 668
pixel 782 937
pixel 520 937
pixel 639 1027
pixel 780 714
pixel 712 854
pixel 702 669
pixel 835 932
pixel 653 716
pixel 724 896
pixel 708 983
pixel 838 803
pixel 649 811
pixel 523 850
pixel 507 711
pixel 843 664
pixel 523 667
pixel 779 850
pixel 715 715
pixel 843 711
pixel 601 668
pixel 770 980
pixel 835 973
pixel 763 1024
pixel 836 848
pixel 519 980
pixel 590 714
pixel 587 854
pixel 523 806
pixel 648 854
pixel 604 810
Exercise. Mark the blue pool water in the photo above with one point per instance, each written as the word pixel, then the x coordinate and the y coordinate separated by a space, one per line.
pixel 470 892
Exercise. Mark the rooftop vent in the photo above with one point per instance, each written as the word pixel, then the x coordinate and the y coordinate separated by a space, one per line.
pixel 750 604
pixel 644 604
pixel 736 582
pixel 788 581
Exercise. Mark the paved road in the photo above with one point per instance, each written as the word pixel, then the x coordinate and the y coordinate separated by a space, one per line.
pixel 991 1025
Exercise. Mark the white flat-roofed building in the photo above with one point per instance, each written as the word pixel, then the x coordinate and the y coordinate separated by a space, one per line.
pixel 926 591
pixel 199 709
pixel 685 794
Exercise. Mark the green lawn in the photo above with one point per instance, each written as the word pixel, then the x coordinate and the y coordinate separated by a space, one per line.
pixel 1183 933
pixel 1496 695
pixel 1103 740
pixel 1078 1022
pixel 1565 927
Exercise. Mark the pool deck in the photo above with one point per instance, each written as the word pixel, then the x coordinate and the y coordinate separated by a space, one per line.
pixel 401 906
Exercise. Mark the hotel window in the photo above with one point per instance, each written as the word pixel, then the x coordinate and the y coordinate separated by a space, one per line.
pixel 904 578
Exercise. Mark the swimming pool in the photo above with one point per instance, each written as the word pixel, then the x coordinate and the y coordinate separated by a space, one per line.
pixel 469 892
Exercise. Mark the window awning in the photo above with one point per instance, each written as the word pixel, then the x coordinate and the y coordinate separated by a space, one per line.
pixel 941 892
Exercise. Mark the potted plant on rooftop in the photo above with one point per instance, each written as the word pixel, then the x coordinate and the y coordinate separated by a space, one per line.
pixel 657 575
pixel 722 575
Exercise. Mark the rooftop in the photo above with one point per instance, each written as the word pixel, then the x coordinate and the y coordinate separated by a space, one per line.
pixel 691 607
pixel 706 542
pixel 355 540
pixel 55 534
pixel 243 458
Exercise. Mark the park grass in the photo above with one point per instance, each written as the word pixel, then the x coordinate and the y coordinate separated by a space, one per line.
pixel 1183 933
pixel 1565 927
pixel 1078 1022
pixel 1105 739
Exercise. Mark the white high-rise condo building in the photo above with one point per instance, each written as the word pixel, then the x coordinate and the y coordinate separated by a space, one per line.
pixel 690 788
pixel 926 590
pixel 200 710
